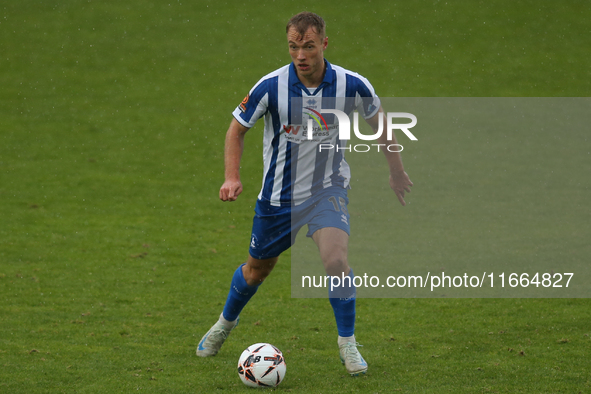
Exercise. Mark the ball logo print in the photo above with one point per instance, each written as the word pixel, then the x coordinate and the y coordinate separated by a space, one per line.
pixel 261 365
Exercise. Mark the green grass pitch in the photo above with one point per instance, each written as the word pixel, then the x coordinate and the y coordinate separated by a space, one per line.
pixel 116 254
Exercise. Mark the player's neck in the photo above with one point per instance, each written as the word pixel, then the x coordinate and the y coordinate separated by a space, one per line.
pixel 310 83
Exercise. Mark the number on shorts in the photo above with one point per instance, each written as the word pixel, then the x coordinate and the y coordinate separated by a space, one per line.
pixel 339 206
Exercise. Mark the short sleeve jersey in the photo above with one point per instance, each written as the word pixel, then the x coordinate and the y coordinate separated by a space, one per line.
pixel 294 167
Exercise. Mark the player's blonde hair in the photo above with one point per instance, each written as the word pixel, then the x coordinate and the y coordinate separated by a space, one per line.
pixel 304 20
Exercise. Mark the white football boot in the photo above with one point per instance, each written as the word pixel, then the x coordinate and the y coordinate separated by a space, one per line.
pixel 352 359
pixel 214 339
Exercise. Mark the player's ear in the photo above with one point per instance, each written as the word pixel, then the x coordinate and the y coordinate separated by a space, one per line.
pixel 324 43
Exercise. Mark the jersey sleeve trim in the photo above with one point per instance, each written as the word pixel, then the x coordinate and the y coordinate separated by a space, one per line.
pixel 237 116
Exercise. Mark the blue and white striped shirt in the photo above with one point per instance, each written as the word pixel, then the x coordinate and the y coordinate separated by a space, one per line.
pixel 293 166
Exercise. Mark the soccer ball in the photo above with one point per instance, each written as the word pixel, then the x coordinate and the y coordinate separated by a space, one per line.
pixel 261 365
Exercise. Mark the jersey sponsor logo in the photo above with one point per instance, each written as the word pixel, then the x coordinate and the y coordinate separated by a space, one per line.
pixel 300 133
pixel 316 119
pixel 310 132
pixel 291 129
pixel 243 103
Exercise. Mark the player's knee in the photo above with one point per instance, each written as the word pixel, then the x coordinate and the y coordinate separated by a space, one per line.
pixel 255 274
pixel 336 265
pixel 256 277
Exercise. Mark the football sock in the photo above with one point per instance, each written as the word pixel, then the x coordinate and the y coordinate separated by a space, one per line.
pixel 228 325
pixel 342 299
pixel 239 295
pixel 343 340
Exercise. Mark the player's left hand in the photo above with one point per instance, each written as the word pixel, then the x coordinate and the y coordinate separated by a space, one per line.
pixel 400 183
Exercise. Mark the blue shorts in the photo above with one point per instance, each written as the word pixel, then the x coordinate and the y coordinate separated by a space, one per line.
pixel 274 229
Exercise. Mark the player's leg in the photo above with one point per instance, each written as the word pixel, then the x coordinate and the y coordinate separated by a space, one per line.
pixel 332 244
pixel 333 247
pixel 245 282
pixel 329 228
pixel 271 235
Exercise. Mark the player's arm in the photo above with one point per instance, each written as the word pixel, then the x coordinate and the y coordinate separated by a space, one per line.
pixel 233 149
pixel 399 180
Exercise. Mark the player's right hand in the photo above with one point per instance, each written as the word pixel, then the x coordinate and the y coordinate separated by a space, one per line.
pixel 230 190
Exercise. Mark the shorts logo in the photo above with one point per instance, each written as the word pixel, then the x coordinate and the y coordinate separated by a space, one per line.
pixel 253 242
pixel 344 219
pixel 243 103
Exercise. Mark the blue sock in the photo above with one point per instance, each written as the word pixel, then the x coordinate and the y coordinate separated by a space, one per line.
pixel 239 295
pixel 342 299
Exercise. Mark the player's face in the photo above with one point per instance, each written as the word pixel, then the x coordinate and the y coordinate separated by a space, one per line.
pixel 307 53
